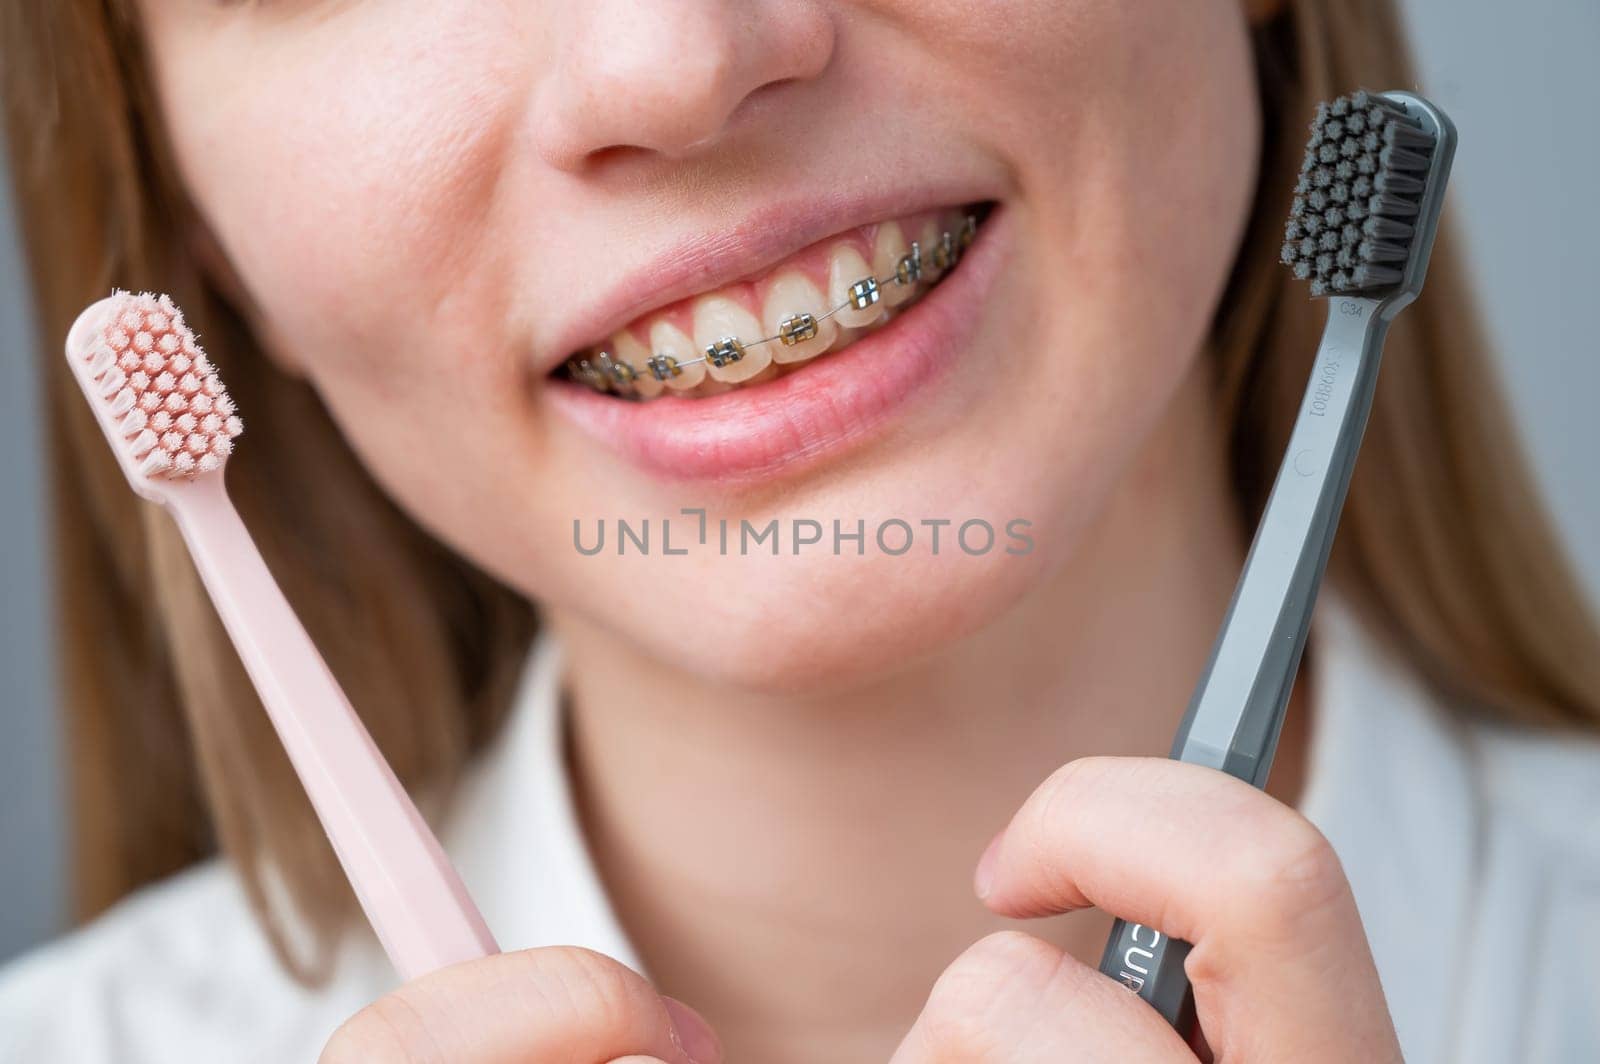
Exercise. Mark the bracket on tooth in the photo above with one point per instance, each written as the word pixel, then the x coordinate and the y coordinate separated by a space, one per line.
pixel 726 350
pixel 908 271
pixel 583 370
pixel 969 231
pixel 663 367
pixel 620 373
pixel 946 253
pixel 797 328
pixel 864 293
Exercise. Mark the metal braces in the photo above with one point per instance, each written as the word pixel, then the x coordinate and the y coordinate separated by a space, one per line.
pixel 606 373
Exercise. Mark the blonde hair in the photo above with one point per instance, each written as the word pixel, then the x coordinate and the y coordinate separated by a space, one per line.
pixel 1444 548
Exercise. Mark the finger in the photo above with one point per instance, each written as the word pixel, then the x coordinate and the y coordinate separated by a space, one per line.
pixel 1015 998
pixel 1280 966
pixel 556 1003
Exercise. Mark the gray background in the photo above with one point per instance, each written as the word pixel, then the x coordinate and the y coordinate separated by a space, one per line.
pixel 1519 81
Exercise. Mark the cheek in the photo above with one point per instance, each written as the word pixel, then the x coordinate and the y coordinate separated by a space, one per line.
pixel 1138 156
pixel 348 166
pixel 1133 130
pixel 355 170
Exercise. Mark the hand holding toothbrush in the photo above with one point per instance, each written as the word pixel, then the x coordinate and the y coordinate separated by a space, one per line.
pixel 1280 964
pixel 171 426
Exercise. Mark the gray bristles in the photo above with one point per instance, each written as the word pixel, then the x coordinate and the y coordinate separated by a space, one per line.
pixel 1363 177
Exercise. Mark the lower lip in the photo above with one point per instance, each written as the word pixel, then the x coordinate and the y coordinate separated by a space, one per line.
pixel 833 404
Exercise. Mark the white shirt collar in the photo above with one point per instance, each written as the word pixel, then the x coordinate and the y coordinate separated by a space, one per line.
pixel 1391 784
pixel 515 836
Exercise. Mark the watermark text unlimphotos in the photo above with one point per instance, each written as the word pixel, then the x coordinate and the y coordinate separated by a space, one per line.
pixel 694 530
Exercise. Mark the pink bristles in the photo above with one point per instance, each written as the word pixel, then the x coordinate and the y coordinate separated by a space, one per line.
pixel 149 368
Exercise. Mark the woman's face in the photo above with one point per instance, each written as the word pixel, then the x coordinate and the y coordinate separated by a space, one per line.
pixel 432 206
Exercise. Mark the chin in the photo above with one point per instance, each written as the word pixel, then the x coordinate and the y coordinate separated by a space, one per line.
pixel 801 624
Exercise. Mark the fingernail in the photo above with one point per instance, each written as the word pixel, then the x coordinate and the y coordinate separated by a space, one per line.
pixel 694 1034
pixel 983 879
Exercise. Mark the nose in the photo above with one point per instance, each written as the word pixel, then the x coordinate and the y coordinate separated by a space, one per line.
pixel 666 76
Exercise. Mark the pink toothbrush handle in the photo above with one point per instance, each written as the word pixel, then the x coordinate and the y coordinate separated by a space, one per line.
pixel 411 894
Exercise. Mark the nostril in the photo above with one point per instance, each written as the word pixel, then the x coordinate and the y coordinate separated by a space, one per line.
pixel 614 154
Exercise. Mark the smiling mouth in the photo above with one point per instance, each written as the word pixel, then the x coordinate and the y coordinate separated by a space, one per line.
pixel 817 302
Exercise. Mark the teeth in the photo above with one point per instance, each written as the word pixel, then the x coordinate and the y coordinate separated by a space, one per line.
pixel 730 347
pixel 844 338
pixel 630 352
pixel 853 288
pixel 711 386
pixel 792 293
pixel 928 239
pixel 669 342
pixel 887 248
pixel 767 374
pixel 718 320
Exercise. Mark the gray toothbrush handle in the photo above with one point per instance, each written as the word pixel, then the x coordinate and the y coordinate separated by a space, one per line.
pixel 1233 720
pixel 1235 716
pixel 1151 965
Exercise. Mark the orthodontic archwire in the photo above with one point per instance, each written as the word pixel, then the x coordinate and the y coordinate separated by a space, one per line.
pixel 605 373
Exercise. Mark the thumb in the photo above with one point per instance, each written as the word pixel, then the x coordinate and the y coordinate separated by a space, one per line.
pixel 555 1003
pixel 693 1033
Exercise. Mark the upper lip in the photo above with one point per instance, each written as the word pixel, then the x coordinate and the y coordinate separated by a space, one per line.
pixel 750 244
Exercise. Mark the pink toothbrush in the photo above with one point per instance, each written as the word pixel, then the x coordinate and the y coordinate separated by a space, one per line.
pixel 171 425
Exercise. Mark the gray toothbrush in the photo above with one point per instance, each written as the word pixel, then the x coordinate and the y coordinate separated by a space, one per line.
pixel 1365 215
